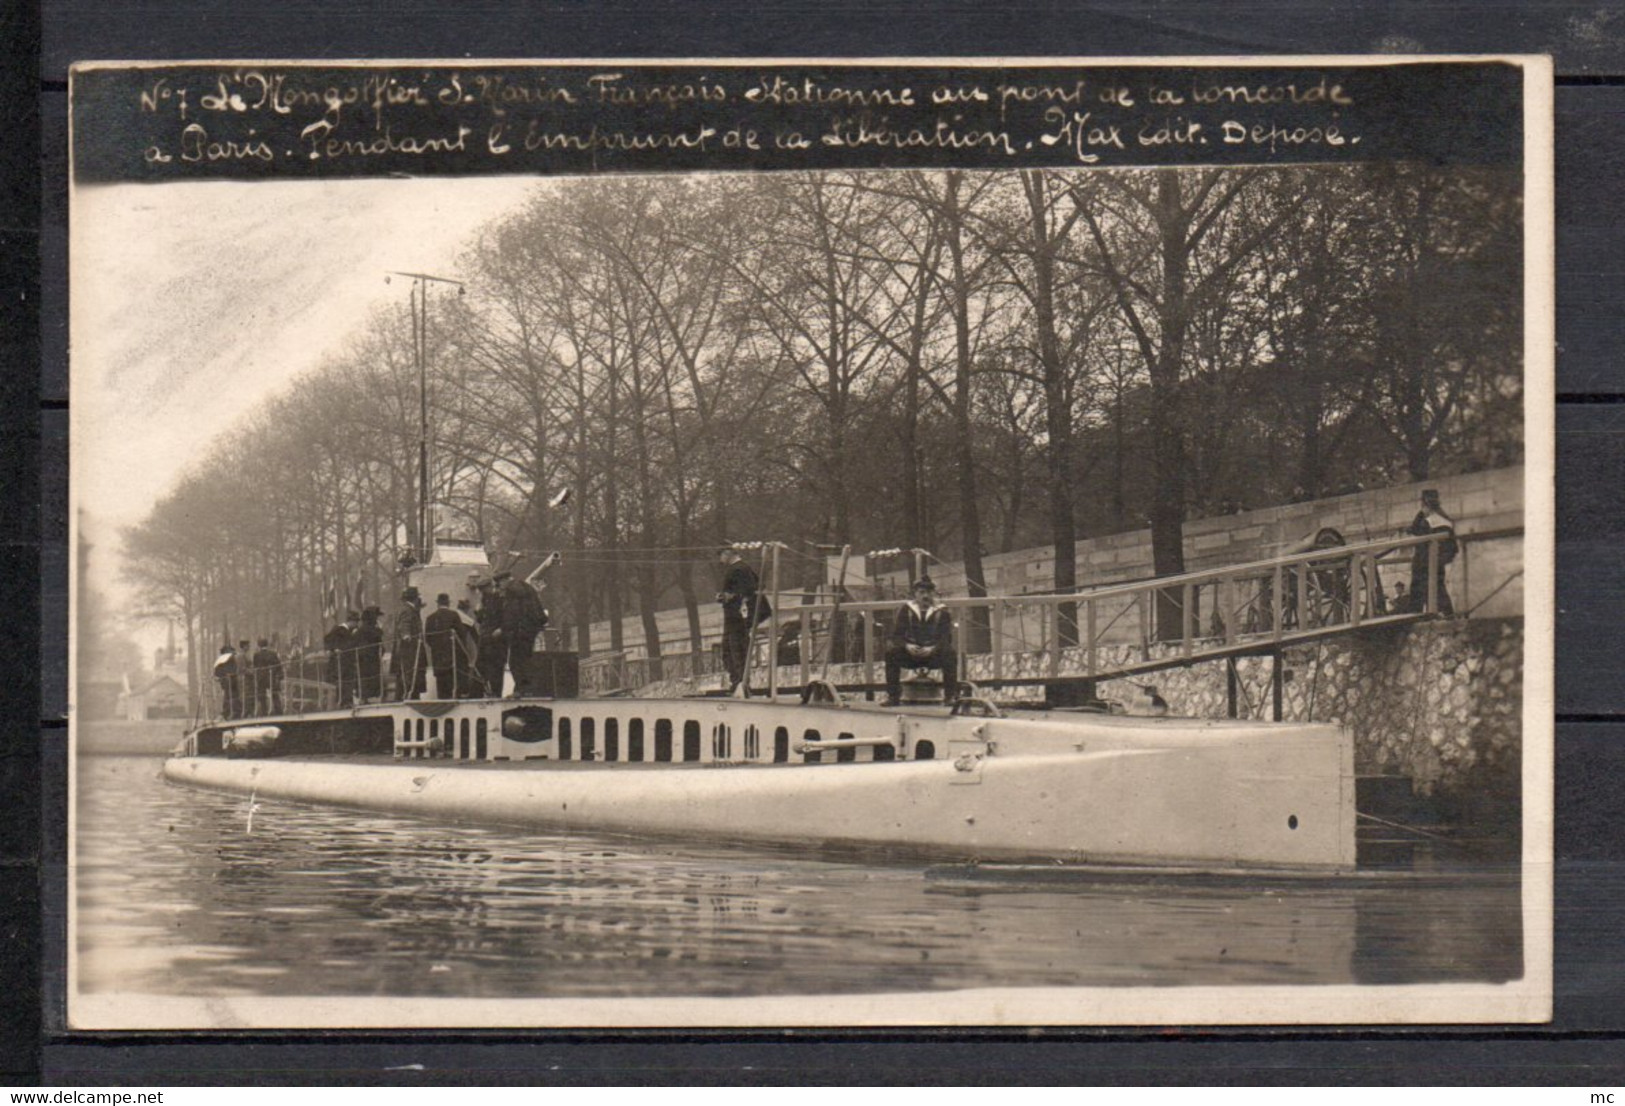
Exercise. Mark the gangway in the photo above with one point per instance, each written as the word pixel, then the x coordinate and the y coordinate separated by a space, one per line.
pixel 1069 642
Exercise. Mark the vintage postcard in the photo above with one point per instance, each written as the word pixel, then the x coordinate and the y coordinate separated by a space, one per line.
pixel 1000 542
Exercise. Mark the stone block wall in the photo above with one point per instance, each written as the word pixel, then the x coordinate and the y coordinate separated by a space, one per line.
pixel 1439 702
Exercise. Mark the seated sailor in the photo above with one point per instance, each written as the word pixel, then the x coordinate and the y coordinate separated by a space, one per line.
pixel 922 637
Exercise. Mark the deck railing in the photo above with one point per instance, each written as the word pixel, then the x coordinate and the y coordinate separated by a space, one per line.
pixel 1032 638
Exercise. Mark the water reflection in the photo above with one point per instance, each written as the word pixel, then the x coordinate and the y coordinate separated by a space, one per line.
pixel 177 896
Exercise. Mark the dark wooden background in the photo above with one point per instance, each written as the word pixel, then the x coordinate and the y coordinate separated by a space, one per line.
pixel 1583 1046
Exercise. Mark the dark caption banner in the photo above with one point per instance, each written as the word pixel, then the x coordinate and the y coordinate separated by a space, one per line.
pixel 185 122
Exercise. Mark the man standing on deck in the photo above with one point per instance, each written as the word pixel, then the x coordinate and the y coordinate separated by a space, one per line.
pixel 922 637
pixel 268 666
pixel 493 651
pixel 247 681
pixel 225 673
pixel 523 617
pixel 339 643
pixel 367 646
pixel 742 609
pixel 408 660
pixel 442 630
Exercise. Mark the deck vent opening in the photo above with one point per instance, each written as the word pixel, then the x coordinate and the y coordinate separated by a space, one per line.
pixel 1291 821
pixel 925 750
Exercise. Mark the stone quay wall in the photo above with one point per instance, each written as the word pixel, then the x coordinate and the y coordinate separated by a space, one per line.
pixel 1440 703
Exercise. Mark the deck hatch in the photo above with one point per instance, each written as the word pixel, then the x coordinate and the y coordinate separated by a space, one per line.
pixel 528 724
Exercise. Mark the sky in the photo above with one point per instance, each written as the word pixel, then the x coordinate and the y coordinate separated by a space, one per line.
pixel 190 304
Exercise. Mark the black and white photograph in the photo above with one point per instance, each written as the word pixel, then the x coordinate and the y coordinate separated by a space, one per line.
pixel 599 544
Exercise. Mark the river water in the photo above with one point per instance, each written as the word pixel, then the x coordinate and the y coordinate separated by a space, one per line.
pixel 185 892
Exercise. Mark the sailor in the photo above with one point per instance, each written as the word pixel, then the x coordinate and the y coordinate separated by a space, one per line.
pixel 441 630
pixel 367 646
pixel 268 672
pixel 408 660
pixel 247 689
pixel 493 652
pixel 340 645
pixel 523 617
pixel 1431 519
pixel 922 637
pixel 742 608
pixel 225 673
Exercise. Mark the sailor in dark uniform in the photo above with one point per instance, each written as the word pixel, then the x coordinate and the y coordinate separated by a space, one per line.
pixel 493 651
pixel 341 660
pixel 268 670
pixel 742 608
pixel 247 682
pixel 523 617
pixel 367 646
pixel 922 637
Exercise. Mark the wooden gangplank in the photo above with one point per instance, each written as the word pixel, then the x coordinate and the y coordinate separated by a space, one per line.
pixel 1252 609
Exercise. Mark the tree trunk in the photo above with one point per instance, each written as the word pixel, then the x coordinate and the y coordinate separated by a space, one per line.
pixel 977 634
pixel 1057 409
pixel 1167 417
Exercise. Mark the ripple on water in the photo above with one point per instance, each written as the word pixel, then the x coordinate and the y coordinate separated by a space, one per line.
pixel 176 897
